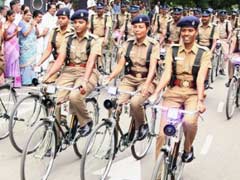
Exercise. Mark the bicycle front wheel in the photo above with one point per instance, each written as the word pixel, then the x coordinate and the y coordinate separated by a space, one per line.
pixel 231 98
pixel 140 148
pixel 39 153
pixel 98 153
pixel 160 171
pixel 93 110
pixel 7 101
pixel 25 115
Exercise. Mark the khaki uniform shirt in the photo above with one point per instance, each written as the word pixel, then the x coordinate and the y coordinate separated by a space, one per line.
pixel 174 32
pixel 127 23
pixel 61 36
pixel 185 61
pixel 99 24
pixel 120 19
pixel 222 29
pixel 1 58
pixel 78 48
pixel 163 23
pixel 204 34
pixel 138 53
pixel 235 22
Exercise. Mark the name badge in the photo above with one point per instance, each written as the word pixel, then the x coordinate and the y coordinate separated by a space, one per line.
pixel 179 58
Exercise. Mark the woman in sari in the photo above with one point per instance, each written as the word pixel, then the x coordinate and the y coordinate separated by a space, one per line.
pixel 11 49
pixel 28 47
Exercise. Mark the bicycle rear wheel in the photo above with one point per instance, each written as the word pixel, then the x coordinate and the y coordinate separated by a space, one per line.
pixel 99 153
pixel 232 98
pixel 39 153
pixel 7 101
pixel 25 115
pixel 160 171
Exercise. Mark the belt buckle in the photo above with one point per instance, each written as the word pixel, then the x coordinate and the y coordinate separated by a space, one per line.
pixel 138 75
pixel 185 84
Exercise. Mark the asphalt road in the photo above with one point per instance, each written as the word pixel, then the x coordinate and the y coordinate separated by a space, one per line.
pixel 216 149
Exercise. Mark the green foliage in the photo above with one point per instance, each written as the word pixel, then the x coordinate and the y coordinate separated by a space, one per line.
pixel 216 4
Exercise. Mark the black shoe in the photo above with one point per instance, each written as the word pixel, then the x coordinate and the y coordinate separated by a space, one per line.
pixel 187 157
pixel 143 132
pixel 86 130
pixel 221 71
pixel 228 83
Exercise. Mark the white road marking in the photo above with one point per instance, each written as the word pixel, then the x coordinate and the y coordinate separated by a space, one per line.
pixel 206 145
pixel 130 167
pixel 220 107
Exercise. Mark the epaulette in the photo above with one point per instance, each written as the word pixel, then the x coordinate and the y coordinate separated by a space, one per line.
pixel 130 39
pixel 203 47
pixel 152 40
pixel 175 45
pixel 73 34
pixel 93 36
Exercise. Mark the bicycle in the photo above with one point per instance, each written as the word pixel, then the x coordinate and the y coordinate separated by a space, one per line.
pixel 217 61
pixel 103 144
pixel 30 109
pixel 233 94
pixel 169 165
pixel 50 137
pixel 7 100
pixel 26 113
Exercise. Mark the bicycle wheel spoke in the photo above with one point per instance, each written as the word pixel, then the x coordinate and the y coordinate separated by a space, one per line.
pixel 7 102
pixel 98 154
pixel 39 153
pixel 24 117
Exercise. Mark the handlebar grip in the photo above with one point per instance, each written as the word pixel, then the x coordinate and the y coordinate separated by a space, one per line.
pixel 82 91
pixel 35 81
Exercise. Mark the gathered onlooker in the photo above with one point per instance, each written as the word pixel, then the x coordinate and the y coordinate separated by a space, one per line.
pixel 49 21
pixel 28 47
pixel 16 7
pixel 11 49
pixel 23 8
pixel 1 60
pixel 37 16
pixel 3 12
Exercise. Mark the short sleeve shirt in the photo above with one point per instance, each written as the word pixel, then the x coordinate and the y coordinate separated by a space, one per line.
pixel 78 50
pixel 223 29
pixel 138 53
pixel 99 24
pixel 185 60
pixel 205 33
pixel 60 36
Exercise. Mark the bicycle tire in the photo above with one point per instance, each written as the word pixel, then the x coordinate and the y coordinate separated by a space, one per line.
pixel 161 161
pixel 5 111
pixel 232 87
pixel 49 132
pixel 89 145
pixel 15 117
pixel 95 117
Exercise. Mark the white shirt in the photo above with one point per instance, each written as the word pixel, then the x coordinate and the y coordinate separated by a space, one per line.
pixel 18 18
pixel 50 22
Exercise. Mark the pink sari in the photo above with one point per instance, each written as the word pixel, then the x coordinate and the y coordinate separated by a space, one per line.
pixel 11 55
